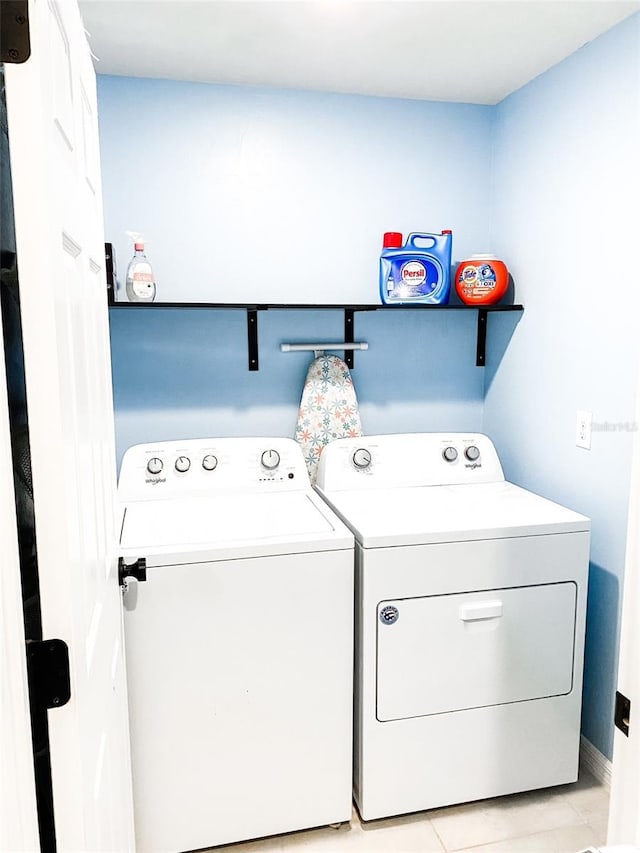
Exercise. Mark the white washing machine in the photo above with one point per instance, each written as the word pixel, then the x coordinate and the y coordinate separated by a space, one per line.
pixel 470 614
pixel 239 643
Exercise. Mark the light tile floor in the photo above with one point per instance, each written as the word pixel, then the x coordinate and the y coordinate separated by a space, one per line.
pixel 566 819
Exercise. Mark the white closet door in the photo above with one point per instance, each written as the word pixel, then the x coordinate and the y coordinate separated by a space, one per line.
pixel 53 138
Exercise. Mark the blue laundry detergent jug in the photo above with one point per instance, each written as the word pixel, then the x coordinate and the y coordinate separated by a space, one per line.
pixel 414 274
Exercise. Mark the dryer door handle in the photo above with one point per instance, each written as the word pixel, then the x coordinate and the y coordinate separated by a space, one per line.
pixel 480 610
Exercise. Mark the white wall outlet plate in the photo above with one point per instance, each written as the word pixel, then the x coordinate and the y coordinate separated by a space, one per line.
pixel 583 429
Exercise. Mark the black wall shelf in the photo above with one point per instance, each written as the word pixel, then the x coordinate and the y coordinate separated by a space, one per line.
pixel 252 310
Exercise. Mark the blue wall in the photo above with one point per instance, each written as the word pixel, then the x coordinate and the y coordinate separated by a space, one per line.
pixel 257 195
pixel 566 185
pixel 237 190
pixel 183 373
pixel 248 194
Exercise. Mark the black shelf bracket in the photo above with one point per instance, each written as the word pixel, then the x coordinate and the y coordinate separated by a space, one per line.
pixel 481 343
pixel 349 335
pixel 252 338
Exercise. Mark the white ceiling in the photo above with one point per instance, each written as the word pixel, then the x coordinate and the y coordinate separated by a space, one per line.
pixel 475 51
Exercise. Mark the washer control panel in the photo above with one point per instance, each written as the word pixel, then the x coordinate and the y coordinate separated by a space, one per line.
pixel 406 460
pixel 170 469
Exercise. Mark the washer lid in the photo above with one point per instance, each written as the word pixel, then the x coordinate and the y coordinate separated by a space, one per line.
pixel 427 514
pixel 234 524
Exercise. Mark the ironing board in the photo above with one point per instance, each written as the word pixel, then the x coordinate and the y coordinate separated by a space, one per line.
pixel 328 409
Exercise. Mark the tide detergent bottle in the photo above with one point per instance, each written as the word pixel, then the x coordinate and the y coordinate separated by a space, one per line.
pixel 418 272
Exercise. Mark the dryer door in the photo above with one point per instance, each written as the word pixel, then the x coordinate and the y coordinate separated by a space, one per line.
pixel 443 653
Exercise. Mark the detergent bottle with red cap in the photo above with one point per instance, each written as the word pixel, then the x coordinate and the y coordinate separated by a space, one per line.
pixel 418 272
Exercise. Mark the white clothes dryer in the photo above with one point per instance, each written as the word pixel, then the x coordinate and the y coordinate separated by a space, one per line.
pixel 470 613
pixel 239 644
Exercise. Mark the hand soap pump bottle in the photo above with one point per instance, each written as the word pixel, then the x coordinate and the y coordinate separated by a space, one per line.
pixel 140 282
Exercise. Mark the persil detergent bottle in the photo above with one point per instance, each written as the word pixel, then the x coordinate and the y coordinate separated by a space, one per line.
pixel 418 272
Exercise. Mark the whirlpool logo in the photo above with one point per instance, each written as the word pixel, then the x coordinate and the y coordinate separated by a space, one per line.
pixel 473 465
pixel 389 615
pixel 155 480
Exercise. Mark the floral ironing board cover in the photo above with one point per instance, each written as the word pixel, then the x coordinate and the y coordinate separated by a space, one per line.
pixel 328 409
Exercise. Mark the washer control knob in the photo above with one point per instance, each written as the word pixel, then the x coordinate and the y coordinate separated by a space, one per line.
pixel 154 465
pixel 450 454
pixel 209 462
pixel 361 458
pixel 472 453
pixel 183 463
pixel 270 459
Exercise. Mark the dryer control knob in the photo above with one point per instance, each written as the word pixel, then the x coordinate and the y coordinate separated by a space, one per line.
pixel 450 454
pixel 183 463
pixel 472 453
pixel 154 465
pixel 270 459
pixel 361 458
pixel 209 462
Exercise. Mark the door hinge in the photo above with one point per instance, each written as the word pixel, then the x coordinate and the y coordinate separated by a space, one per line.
pixel 137 570
pixel 49 677
pixel 622 713
pixel 15 43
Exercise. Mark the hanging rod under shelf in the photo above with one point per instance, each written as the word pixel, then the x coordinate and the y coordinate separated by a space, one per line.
pixel 319 348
